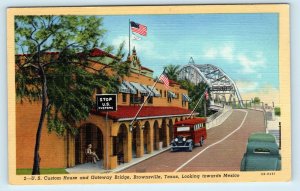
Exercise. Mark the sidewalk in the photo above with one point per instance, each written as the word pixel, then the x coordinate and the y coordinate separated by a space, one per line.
pixel 98 167
pixel 273 128
pixel 273 124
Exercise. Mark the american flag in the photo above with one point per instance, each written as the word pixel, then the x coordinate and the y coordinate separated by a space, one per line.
pixel 206 95
pixel 135 37
pixel 163 77
pixel 138 28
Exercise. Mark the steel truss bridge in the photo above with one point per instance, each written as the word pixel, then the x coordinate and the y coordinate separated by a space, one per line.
pixel 222 88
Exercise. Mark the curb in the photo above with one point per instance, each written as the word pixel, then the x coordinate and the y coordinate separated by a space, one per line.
pixel 146 158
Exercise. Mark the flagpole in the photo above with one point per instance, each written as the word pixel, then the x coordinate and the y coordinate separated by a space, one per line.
pixel 129 38
pixel 135 117
pixel 198 103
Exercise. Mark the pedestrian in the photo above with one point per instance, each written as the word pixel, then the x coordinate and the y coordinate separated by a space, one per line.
pixel 91 153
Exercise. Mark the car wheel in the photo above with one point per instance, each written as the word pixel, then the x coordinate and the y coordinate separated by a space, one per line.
pixel 191 147
pixel 201 142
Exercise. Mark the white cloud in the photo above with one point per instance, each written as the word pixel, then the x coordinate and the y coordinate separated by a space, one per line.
pixel 250 65
pixel 247 86
pixel 227 52
pixel 120 39
pixel 143 46
pixel 267 94
pixel 211 53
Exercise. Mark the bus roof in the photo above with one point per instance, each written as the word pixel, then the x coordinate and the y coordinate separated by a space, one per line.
pixel 191 121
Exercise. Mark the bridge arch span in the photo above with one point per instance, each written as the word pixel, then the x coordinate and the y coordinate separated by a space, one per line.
pixel 220 84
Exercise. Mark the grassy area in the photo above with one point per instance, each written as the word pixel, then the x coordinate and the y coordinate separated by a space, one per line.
pixel 27 171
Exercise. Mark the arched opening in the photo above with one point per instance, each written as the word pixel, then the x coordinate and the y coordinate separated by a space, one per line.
pixel 163 133
pixel 156 135
pixel 147 138
pixel 181 118
pixel 176 120
pixel 121 143
pixel 88 134
pixel 171 130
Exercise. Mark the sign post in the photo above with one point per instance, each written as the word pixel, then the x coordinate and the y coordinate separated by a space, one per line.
pixel 106 103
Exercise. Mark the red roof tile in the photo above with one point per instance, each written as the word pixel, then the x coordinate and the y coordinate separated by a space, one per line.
pixel 144 68
pixel 96 52
pixel 173 82
pixel 147 111
pixel 191 121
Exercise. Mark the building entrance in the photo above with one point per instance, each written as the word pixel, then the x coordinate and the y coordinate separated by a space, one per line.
pixel 88 134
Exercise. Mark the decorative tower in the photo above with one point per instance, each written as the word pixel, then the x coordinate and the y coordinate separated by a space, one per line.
pixel 135 64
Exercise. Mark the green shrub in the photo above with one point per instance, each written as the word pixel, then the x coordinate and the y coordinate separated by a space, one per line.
pixel 277 111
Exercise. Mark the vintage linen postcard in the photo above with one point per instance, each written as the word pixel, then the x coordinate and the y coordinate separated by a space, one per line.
pixel 149 94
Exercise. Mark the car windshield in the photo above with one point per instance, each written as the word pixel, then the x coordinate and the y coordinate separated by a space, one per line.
pixel 262 147
pixel 181 129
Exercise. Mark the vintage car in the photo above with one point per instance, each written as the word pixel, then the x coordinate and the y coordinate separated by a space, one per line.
pixel 189 132
pixel 262 153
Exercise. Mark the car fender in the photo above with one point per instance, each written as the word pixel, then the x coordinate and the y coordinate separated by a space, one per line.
pixel 243 163
pixel 189 141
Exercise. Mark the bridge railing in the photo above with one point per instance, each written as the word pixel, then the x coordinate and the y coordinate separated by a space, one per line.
pixel 218 117
pixel 247 104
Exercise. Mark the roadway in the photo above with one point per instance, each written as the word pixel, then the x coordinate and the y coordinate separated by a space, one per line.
pixel 222 151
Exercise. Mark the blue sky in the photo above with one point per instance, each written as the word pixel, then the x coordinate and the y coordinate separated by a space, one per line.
pixel 245 46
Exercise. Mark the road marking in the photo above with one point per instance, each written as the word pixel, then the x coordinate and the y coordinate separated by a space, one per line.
pixel 184 164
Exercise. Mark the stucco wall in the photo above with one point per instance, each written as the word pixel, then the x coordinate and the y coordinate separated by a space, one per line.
pixel 51 146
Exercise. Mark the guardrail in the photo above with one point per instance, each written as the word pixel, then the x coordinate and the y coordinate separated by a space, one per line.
pixel 247 104
pixel 219 117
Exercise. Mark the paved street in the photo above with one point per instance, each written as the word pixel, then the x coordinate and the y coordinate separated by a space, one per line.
pixel 223 149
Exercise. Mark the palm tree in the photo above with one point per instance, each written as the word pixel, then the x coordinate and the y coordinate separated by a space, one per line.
pixel 172 71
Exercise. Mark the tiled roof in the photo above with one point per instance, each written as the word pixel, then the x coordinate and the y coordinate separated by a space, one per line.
pixel 96 52
pixel 191 121
pixel 144 68
pixel 173 82
pixel 128 112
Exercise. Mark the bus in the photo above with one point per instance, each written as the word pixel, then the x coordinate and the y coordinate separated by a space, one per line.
pixel 188 133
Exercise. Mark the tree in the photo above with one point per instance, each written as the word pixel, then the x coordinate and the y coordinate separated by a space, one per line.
pixel 277 111
pixel 63 81
pixel 172 71
pixel 256 100
pixel 195 92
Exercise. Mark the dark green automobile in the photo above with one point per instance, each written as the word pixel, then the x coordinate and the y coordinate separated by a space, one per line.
pixel 262 153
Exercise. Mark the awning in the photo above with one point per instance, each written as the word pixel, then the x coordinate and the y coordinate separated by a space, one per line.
pixel 138 87
pixel 155 91
pixel 186 98
pixel 129 86
pixel 148 90
pixel 124 89
pixel 171 94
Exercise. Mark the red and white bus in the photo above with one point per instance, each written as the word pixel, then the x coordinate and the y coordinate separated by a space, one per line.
pixel 189 132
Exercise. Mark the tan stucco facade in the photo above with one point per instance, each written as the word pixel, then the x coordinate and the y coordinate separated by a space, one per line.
pixel 109 138
pixel 148 136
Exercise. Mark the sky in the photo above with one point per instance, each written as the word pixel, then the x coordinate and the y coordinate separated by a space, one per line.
pixel 245 46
